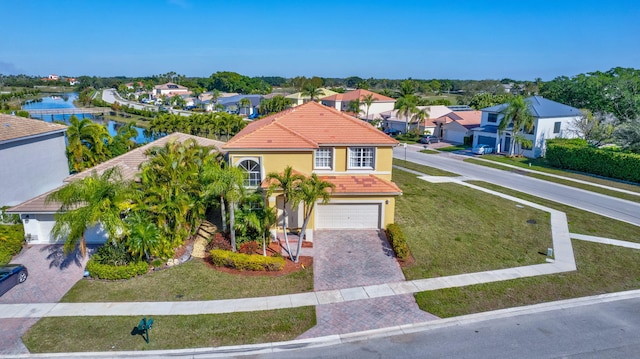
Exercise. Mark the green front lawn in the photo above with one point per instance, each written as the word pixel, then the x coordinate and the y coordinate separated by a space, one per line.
pixel 89 334
pixel 191 281
pixel 454 148
pixel 452 229
pixel 430 171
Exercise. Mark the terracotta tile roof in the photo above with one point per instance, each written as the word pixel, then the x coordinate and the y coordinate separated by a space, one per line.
pixel 468 119
pixel 307 126
pixel 14 128
pixel 362 184
pixel 360 93
pixel 130 161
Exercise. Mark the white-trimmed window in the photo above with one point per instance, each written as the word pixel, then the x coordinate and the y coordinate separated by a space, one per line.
pixel 324 158
pixel 362 157
pixel 252 168
pixel 556 127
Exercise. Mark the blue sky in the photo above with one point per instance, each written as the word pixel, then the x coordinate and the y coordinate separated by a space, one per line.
pixel 399 39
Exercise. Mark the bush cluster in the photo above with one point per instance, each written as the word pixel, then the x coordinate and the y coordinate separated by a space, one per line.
pixel 578 155
pixel 398 241
pixel 11 239
pixel 254 262
pixel 114 272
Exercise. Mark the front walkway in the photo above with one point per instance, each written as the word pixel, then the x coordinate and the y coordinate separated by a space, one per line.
pixel 347 259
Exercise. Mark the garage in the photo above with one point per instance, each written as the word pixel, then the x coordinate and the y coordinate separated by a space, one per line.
pixel 348 216
pixel 486 140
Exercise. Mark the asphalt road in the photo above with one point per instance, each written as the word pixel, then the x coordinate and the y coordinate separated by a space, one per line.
pixel 616 208
pixel 603 330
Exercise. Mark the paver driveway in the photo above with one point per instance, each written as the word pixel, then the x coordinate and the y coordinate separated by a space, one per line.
pixel 344 259
pixel 51 275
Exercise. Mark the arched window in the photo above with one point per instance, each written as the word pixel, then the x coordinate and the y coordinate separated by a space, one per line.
pixel 252 168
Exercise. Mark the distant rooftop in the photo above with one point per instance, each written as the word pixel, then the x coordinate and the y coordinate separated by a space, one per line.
pixel 13 128
pixel 541 107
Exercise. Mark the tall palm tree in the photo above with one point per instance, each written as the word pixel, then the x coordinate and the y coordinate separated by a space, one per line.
pixel 419 115
pixel 87 143
pixel 368 100
pixel 314 92
pixel 287 183
pixel 355 107
pixel 245 103
pixel 95 199
pixel 517 116
pixel 311 189
pixel 406 106
pixel 226 182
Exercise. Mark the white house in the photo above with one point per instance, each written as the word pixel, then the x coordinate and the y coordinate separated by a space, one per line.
pixel 38 216
pixel 551 120
pixel 170 89
pixel 33 158
pixel 341 102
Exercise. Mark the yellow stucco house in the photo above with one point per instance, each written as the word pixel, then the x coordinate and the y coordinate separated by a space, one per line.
pixel 312 138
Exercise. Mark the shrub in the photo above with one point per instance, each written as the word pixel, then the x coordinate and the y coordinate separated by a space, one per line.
pixel 398 241
pixel 240 261
pixel 115 272
pixel 11 239
pixel 578 155
pixel 112 254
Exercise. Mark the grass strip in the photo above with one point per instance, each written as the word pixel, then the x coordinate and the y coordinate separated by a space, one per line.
pixel 430 171
pixel 83 334
pixel 601 269
pixel 452 229
pixel 453 148
pixel 191 281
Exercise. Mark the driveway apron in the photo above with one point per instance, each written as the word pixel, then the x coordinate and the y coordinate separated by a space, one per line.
pixel 345 259
pixel 51 275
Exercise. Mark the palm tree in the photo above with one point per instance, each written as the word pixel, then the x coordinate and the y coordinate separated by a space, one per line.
pixel 368 100
pixel 355 107
pixel 419 115
pixel 406 106
pixel 87 143
pixel 245 102
pixel 226 182
pixel 95 199
pixel 314 92
pixel 288 184
pixel 143 236
pixel 517 116
pixel 311 189
pixel 268 218
pixel 124 141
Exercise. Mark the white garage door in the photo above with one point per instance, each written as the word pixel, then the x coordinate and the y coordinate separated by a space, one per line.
pixel 348 216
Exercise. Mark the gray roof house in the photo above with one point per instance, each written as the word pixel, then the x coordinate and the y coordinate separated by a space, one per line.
pixel 551 119
pixel 231 104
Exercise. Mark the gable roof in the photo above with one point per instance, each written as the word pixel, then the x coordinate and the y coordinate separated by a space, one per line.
pixel 357 94
pixel 541 107
pixel 170 86
pixel 307 127
pixel 14 128
pixel 467 119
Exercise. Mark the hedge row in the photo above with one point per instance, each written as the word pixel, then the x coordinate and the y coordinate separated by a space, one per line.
pixel 254 262
pixel 398 241
pixel 578 155
pixel 111 272
pixel 11 239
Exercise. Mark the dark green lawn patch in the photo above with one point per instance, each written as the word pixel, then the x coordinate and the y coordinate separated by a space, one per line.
pixel 601 269
pixel 454 148
pixel 581 222
pixel 429 152
pixel 607 192
pixel 84 334
pixel 452 229
pixel 431 171
pixel 194 280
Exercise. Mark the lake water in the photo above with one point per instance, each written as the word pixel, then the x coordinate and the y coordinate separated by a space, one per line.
pixel 66 101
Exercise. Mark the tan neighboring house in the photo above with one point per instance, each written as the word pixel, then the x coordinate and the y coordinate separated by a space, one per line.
pixel 392 120
pixel 313 138
pixel 298 98
pixel 341 102
pixel 38 216
pixel 455 126
pixel 170 89
pixel 33 158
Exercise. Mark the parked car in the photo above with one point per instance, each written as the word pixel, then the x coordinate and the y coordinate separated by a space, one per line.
pixel 482 149
pixel 253 116
pixel 392 132
pixel 429 139
pixel 11 275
